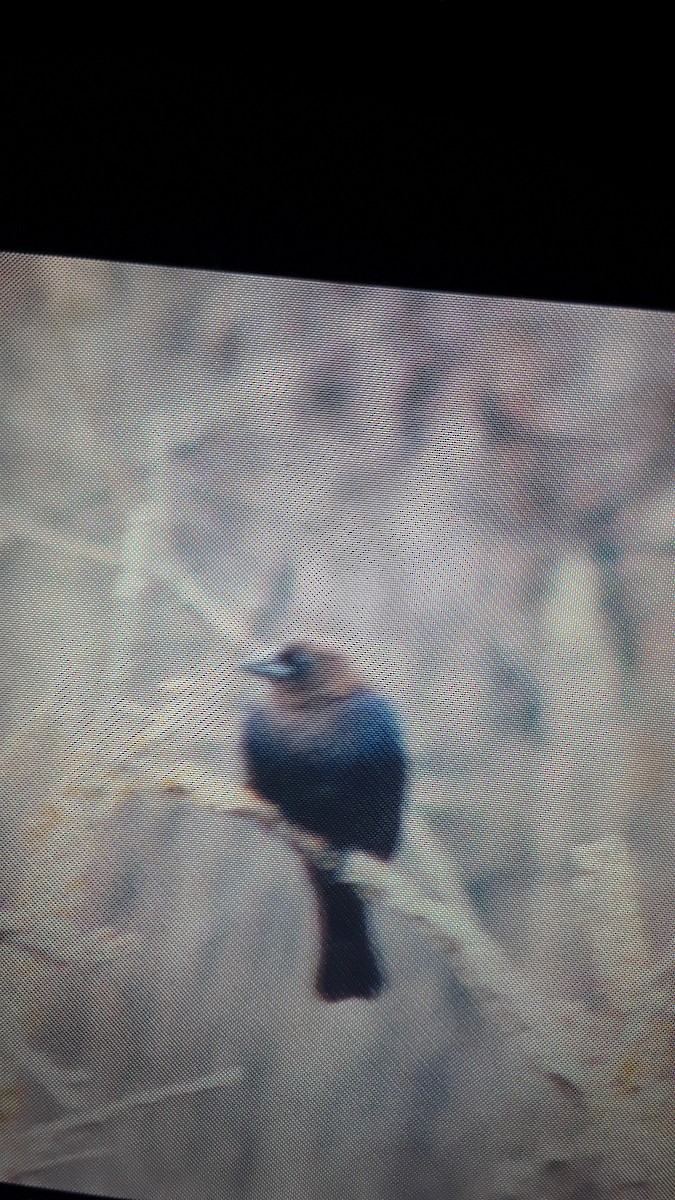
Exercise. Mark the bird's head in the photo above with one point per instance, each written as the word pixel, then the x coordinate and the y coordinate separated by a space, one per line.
pixel 307 672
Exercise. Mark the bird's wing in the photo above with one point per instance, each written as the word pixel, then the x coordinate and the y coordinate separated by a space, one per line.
pixel 258 746
pixel 369 727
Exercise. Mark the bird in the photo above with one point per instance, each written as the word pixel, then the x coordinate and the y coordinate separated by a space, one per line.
pixel 327 750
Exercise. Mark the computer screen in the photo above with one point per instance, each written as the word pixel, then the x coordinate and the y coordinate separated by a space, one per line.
pixel 338 739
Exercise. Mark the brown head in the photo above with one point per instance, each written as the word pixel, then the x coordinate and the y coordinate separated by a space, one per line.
pixel 306 673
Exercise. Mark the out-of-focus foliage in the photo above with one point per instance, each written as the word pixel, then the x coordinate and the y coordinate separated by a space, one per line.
pixel 476 498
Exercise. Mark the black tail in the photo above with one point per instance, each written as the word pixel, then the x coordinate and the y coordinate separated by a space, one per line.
pixel 348 966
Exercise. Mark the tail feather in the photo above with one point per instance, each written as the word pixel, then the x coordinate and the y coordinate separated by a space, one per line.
pixel 348 966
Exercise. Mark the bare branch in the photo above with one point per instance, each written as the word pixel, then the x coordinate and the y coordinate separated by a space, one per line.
pixel 176 576
pixel 59 1160
pixel 97 1116
pixel 607 897
pixel 48 1139
pixel 480 961
pixel 59 942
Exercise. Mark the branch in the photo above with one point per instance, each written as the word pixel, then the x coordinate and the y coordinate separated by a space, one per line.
pixel 61 942
pixel 439 905
pixel 177 577
pixel 607 898
pixel 191 1087
pixel 47 1140
pixel 58 1160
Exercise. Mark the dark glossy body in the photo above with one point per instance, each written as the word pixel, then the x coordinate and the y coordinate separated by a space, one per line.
pixel 337 769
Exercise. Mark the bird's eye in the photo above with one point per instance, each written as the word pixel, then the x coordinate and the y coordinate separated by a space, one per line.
pixel 301 663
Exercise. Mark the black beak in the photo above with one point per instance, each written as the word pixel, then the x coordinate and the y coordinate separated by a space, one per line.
pixel 267 668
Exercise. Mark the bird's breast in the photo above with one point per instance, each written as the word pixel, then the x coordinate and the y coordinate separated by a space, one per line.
pixel 339 773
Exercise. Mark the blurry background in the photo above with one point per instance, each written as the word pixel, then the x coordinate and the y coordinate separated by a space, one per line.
pixel 476 497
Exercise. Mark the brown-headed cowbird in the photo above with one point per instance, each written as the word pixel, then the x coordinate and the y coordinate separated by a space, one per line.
pixel 327 751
